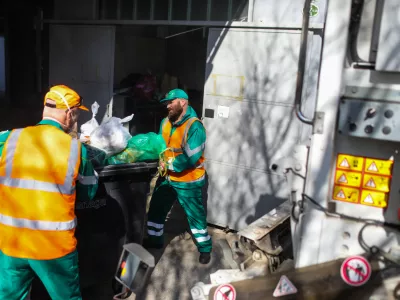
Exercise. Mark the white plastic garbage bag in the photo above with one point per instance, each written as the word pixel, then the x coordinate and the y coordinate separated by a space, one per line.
pixel 88 127
pixel 111 136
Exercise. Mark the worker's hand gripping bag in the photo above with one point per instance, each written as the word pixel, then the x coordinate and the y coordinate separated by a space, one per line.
pixel 88 127
pixel 111 136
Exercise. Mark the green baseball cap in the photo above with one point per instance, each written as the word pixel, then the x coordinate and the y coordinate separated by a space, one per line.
pixel 175 94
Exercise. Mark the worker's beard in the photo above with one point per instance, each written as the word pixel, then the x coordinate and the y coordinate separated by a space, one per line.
pixel 175 112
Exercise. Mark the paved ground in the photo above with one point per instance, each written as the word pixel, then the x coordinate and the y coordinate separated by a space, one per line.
pixel 176 272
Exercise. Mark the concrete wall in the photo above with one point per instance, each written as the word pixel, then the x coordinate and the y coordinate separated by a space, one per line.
pixel 136 51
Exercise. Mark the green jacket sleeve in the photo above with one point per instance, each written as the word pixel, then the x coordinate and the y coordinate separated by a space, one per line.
pixel 193 149
pixel 87 184
pixel 3 138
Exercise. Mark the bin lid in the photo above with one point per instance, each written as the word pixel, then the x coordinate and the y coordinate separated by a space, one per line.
pixel 126 169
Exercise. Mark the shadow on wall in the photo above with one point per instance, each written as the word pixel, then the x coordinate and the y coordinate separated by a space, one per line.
pixel 261 127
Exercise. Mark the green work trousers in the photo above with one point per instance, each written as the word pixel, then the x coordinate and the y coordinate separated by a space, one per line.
pixel 191 201
pixel 59 276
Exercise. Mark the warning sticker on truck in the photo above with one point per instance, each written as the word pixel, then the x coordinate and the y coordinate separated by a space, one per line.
pixel 374 182
pixel 348 178
pixel 349 162
pixel 377 166
pixel 374 198
pixel 362 180
pixel 347 194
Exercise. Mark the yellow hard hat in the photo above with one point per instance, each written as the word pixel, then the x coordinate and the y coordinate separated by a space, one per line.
pixel 63 97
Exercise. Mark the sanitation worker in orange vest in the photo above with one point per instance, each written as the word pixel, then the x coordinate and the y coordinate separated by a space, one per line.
pixel 42 170
pixel 185 137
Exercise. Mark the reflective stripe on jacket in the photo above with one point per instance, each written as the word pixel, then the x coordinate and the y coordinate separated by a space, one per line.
pixel 38 172
pixel 177 142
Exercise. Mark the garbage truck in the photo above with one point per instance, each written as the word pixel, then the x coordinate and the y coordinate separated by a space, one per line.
pixel 343 208
pixel 335 232
pixel 300 100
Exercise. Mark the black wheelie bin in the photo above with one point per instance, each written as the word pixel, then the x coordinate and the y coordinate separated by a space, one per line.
pixel 115 217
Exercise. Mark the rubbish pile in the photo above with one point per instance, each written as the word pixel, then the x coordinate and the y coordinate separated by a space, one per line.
pixel 110 143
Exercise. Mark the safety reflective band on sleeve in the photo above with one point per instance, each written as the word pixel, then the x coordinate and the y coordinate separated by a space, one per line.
pixel 202 231
pixel 196 150
pixel 203 238
pixel 155 233
pixel 155 225
pixel 37 225
pixel 67 188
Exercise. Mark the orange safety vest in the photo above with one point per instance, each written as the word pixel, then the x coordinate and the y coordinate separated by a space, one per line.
pixel 176 142
pixel 38 171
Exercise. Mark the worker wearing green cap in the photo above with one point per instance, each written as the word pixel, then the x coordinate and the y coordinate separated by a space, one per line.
pixel 185 136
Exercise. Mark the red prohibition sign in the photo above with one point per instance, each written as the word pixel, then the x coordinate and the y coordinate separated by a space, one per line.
pixel 355 270
pixel 225 292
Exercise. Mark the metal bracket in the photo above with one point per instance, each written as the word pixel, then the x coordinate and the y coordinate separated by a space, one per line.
pixel 296 163
pixel 264 225
pixel 372 93
pixel 319 123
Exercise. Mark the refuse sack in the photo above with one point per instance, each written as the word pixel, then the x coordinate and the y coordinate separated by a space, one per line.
pixel 88 127
pixel 111 136
pixel 141 147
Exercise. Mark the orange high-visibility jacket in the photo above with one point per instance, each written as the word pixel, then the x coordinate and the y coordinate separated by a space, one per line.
pixel 177 142
pixel 38 171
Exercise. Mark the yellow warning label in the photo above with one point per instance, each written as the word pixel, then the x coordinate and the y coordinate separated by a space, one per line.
pixel 375 182
pixel 351 163
pixel 348 178
pixel 378 166
pixel 376 199
pixel 362 180
pixel 343 193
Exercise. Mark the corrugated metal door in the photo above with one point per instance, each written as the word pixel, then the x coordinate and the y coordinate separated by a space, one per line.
pixel 249 116
pixel 83 58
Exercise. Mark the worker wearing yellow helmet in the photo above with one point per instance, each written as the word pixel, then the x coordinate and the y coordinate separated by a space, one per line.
pixel 42 171
pixel 185 137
